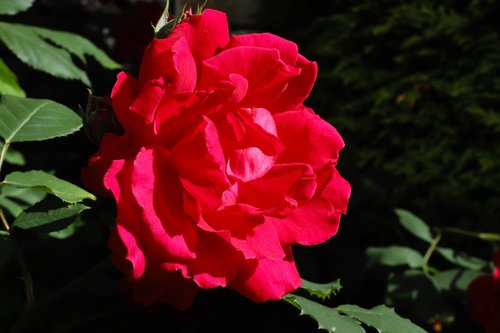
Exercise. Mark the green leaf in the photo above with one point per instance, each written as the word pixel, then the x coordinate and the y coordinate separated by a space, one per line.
pixel 321 290
pixel 13 156
pixel 68 231
pixel 382 318
pixel 28 119
pixel 5 248
pixel 462 259
pixel 414 225
pixel 50 220
pixel 31 49
pixel 46 182
pixel 77 45
pixel 8 82
pixel 455 281
pixel 412 292
pixel 394 256
pixel 15 199
pixel 11 7
pixel 327 318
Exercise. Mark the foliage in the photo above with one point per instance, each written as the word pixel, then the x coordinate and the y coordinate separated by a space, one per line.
pixel 23 202
pixel 349 318
pixel 421 290
pixel 413 86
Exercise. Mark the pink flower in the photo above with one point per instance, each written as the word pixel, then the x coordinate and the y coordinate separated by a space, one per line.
pixel 484 294
pixel 221 167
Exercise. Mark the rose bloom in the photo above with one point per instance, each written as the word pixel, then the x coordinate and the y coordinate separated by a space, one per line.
pixel 220 169
pixel 484 294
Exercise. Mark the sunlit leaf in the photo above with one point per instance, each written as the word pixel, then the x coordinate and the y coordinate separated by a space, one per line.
pixel 77 45
pixel 8 82
pixel 327 318
pixel 51 184
pixel 414 225
pixel 321 290
pixel 33 50
pixel 15 199
pixel 49 220
pixel 11 7
pixel 382 318
pixel 28 119
pixel 394 256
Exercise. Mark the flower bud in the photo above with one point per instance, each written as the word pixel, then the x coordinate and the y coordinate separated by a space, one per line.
pixel 99 118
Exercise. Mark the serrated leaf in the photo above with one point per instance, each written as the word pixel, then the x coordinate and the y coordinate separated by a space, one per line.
pixel 15 199
pixel 50 220
pixel 5 248
pixel 8 82
pixel 394 256
pixel 11 7
pixel 29 119
pixel 25 43
pixel 321 290
pixel 414 225
pixel 382 318
pixel 327 318
pixel 46 182
pixel 77 45
pixel 462 259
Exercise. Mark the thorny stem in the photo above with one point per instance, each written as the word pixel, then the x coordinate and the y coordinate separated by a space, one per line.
pixel 430 251
pixel 28 281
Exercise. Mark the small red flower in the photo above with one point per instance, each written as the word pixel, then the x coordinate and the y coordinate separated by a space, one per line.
pixel 221 168
pixel 484 293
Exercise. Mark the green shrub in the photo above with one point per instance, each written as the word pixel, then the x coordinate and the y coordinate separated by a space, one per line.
pixel 414 87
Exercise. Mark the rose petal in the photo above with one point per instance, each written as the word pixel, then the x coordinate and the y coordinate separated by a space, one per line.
pixel 206 33
pixel 248 234
pixel 296 180
pixel 316 220
pixel 169 231
pixel 216 261
pixel 264 280
pixel 299 87
pixel 202 148
pixel 308 139
pixel 288 50
pixel 171 59
pixel 123 95
pixel 159 284
pixel 128 226
pixel 147 101
pixel 266 73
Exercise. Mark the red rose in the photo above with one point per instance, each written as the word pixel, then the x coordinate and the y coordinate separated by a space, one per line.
pixel 221 168
pixel 484 294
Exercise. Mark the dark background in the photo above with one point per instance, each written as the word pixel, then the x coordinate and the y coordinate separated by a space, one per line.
pixel 413 88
